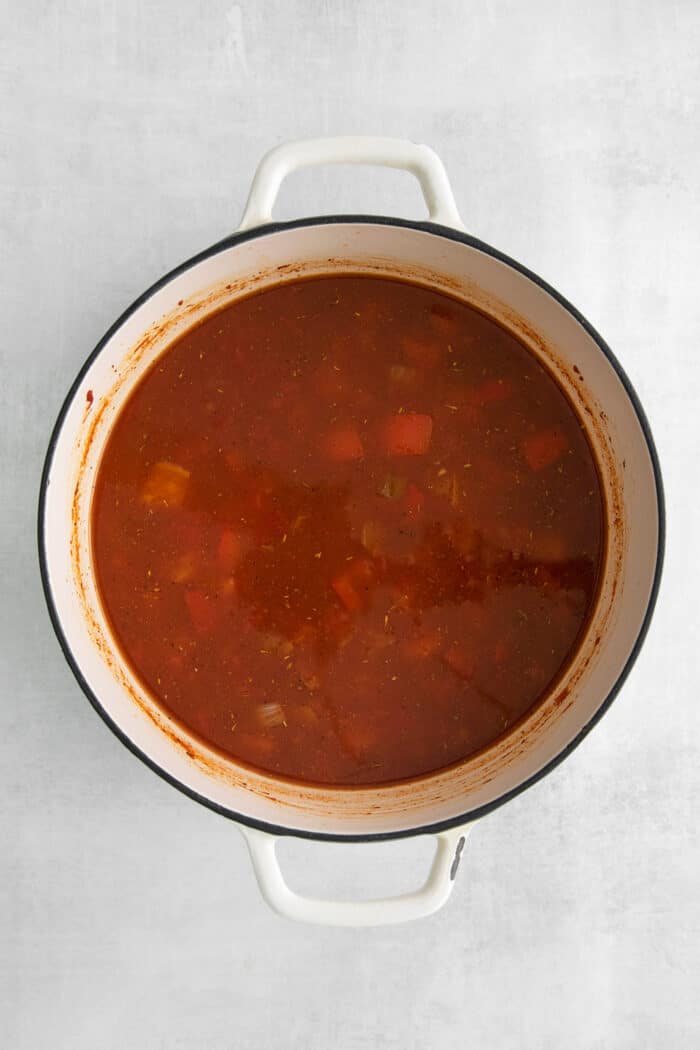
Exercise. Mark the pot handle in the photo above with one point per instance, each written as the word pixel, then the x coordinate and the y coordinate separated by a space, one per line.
pixel 351 149
pixel 421 902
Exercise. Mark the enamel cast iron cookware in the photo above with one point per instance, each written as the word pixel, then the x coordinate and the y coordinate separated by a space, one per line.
pixel 439 253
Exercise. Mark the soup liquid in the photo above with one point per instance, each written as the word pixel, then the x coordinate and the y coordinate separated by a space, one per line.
pixel 348 530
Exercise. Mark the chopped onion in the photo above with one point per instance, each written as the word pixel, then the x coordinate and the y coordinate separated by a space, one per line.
pixel 393 487
pixel 271 715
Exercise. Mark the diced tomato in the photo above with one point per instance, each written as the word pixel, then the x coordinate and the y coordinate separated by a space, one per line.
pixel 343 444
pixel 460 661
pixel 203 611
pixel 413 500
pixel 492 391
pixel 407 435
pixel 344 587
pixel 422 352
pixel 489 392
pixel 229 549
pixel 352 585
pixel 544 448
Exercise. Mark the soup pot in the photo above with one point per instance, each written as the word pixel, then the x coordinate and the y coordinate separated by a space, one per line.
pixel 440 254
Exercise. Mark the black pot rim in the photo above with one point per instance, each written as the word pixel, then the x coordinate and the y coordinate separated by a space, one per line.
pixel 469 815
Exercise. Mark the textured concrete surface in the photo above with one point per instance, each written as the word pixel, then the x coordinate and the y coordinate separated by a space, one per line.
pixel 130 131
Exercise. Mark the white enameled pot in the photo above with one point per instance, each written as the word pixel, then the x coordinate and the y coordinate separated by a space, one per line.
pixel 438 253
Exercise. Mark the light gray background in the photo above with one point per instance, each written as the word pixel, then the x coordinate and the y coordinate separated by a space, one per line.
pixel 130 132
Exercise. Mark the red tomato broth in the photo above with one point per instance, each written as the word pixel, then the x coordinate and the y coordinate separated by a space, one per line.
pixel 348 530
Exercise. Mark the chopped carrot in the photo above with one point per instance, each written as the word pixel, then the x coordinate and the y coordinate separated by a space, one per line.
pixel 407 435
pixel 413 500
pixel 166 483
pixel 343 444
pixel 352 585
pixel 544 448
pixel 202 610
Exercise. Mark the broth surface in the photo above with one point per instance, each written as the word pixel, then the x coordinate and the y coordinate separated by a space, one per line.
pixel 348 530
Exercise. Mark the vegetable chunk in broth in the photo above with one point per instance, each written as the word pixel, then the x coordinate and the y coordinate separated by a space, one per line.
pixel 348 530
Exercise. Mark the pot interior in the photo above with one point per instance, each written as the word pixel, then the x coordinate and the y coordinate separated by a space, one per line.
pixel 463 269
